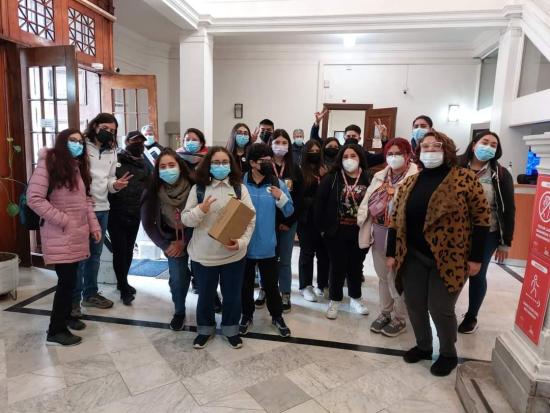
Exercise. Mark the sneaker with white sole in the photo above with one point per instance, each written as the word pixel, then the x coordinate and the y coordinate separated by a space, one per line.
pixel 309 294
pixel 332 311
pixel 381 322
pixel 394 328
pixel 318 292
pixel 358 306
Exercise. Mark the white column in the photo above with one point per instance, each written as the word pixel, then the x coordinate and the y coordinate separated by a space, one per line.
pixel 197 83
pixel 506 81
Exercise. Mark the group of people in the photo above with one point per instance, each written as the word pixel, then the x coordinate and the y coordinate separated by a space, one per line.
pixel 431 219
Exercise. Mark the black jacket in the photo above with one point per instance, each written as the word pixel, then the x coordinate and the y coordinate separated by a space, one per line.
pixel 327 201
pixel 126 204
pixel 297 154
pixel 297 194
pixel 503 184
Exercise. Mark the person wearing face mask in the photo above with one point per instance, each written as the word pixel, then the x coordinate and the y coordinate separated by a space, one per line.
pixel 268 194
pixel 124 216
pixel 218 179
pixel 287 171
pixel 311 242
pixel 435 242
pixel 238 143
pixel 163 202
pixel 193 147
pixel 59 192
pixel 148 131
pixel 482 157
pixel 331 147
pixel 373 219
pixel 100 146
pixel 337 202
pixel 297 145
pixel 353 135
pixel 263 131
pixel 421 126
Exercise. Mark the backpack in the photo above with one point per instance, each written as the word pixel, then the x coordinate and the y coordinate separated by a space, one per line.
pixel 201 191
pixel 27 217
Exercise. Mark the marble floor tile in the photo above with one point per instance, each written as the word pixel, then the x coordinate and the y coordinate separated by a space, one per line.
pixel 342 365
pixel 313 379
pixel 20 363
pixel 90 368
pixel 311 406
pixel 215 384
pixel 3 392
pixel 146 377
pixel 33 384
pixel 171 398
pixel 346 399
pixel 123 337
pixel 90 346
pixel 3 366
pixel 430 399
pixel 136 356
pixel 192 363
pixel 219 349
pixel 240 401
pixel 55 402
pixel 96 393
pixel 277 394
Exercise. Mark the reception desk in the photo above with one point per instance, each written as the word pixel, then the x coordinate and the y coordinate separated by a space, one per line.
pixel 524 197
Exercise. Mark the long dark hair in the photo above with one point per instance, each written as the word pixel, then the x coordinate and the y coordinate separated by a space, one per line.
pixel 231 144
pixel 59 163
pixel 155 182
pixel 202 173
pixel 90 132
pixel 199 134
pixel 289 162
pixel 310 171
pixel 470 149
pixel 337 167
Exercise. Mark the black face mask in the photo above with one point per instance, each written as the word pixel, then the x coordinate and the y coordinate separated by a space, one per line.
pixel 351 141
pixel 331 152
pixel 265 135
pixel 313 157
pixel 135 149
pixel 104 137
pixel 266 168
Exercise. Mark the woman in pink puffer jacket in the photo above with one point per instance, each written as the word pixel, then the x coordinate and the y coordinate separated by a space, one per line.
pixel 58 192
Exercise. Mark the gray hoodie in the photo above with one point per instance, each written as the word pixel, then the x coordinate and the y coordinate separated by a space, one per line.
pixel 103 172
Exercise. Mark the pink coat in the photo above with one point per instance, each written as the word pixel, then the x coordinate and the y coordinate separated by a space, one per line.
pixel 69 217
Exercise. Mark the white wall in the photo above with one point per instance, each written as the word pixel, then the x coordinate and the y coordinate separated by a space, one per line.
pixel 134 54
pixel 285 83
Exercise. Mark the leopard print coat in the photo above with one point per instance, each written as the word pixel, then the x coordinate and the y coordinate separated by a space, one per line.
pixel 455 207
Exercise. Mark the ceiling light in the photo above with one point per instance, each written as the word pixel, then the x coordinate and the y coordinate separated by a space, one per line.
pixel 349 40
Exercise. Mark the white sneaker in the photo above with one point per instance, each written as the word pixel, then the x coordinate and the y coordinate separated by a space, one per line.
pixel 358 306
pixel 308 294
pixel 332 311
pixel 318 292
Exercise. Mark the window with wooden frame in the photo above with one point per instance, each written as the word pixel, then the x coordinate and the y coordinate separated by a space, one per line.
pixel 82 32
pixel 37 17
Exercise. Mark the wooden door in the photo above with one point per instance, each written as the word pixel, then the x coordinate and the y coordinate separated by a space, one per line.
pixel 49 79
pixel 133 101
pixel 371 136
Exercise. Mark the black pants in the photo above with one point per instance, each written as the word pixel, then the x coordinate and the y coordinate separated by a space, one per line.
pixel 62 299
pixel 311 245
pixel 123 238
pixel 346 262
pixel 270 283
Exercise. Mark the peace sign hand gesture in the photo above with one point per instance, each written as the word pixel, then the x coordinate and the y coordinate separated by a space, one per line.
pixel 319 116
pixel 382 129
pixel 205 206
pixel 255 135
pixel 123 181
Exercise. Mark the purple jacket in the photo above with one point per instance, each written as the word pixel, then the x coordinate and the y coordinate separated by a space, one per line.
pixel 68 216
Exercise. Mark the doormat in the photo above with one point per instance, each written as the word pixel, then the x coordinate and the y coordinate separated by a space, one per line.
pixel 148 268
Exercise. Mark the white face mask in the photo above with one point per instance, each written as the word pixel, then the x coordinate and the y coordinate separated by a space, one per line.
pixel 279 150
pixel 395 161
pixel 350 165
pixel 431 159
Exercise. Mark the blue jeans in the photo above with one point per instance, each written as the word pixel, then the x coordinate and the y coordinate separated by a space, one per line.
pixel 478 283
pixel 285 244
pixel 230 276
pixel 86 278
pixel 180 277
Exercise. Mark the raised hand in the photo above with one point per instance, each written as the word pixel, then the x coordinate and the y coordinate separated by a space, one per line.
pixel 319 116
pixel 255 135
pixel 123 181
pixel 205 206
pixel 381 128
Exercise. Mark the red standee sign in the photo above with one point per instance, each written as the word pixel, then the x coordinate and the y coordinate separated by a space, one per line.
pixel 536 284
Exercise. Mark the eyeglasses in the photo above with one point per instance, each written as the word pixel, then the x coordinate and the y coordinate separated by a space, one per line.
pixel 434 145
pixel 76 140
pixel 261 160
pixel 221 163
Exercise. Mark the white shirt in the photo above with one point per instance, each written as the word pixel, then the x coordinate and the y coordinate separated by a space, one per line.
pixel 103 172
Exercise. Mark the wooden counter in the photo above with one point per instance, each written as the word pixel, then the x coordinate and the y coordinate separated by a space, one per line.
pixel 524 197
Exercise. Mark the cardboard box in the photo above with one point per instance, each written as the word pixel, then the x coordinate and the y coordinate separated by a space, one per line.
pixel 232 222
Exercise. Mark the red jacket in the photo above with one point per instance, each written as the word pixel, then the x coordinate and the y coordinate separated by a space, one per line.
pixel 69 217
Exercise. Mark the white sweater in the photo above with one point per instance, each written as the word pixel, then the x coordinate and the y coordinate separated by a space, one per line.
pixel 103 172
pixel 203 248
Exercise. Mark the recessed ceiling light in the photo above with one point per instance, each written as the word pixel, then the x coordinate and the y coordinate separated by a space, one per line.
pixel 350 40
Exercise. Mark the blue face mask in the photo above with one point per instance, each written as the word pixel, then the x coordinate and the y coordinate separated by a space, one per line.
pixel 169 175
pixel 241 140
pixel 192 146
pixel 150 140
pixel 418 133
pixel 75 148
pixel 220 172
pixel 484 152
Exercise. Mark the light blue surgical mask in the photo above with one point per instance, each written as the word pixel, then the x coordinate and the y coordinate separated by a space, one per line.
pixel 169 175
pixel 220 172
pixel 192 146
pixel 418 133
pixel 484 152
pixel 299 141
pixel 150 140
pixel 241 140
pixel 75 148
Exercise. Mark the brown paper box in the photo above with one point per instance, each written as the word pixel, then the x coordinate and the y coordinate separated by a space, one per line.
pixel 232 222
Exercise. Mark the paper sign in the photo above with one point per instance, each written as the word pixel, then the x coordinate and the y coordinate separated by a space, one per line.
pixel 47 123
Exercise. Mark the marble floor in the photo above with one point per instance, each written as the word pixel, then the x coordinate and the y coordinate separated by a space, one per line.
pixel 329 366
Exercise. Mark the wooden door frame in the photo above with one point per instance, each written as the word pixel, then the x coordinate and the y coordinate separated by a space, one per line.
pixel 342 106
pixel 370 118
